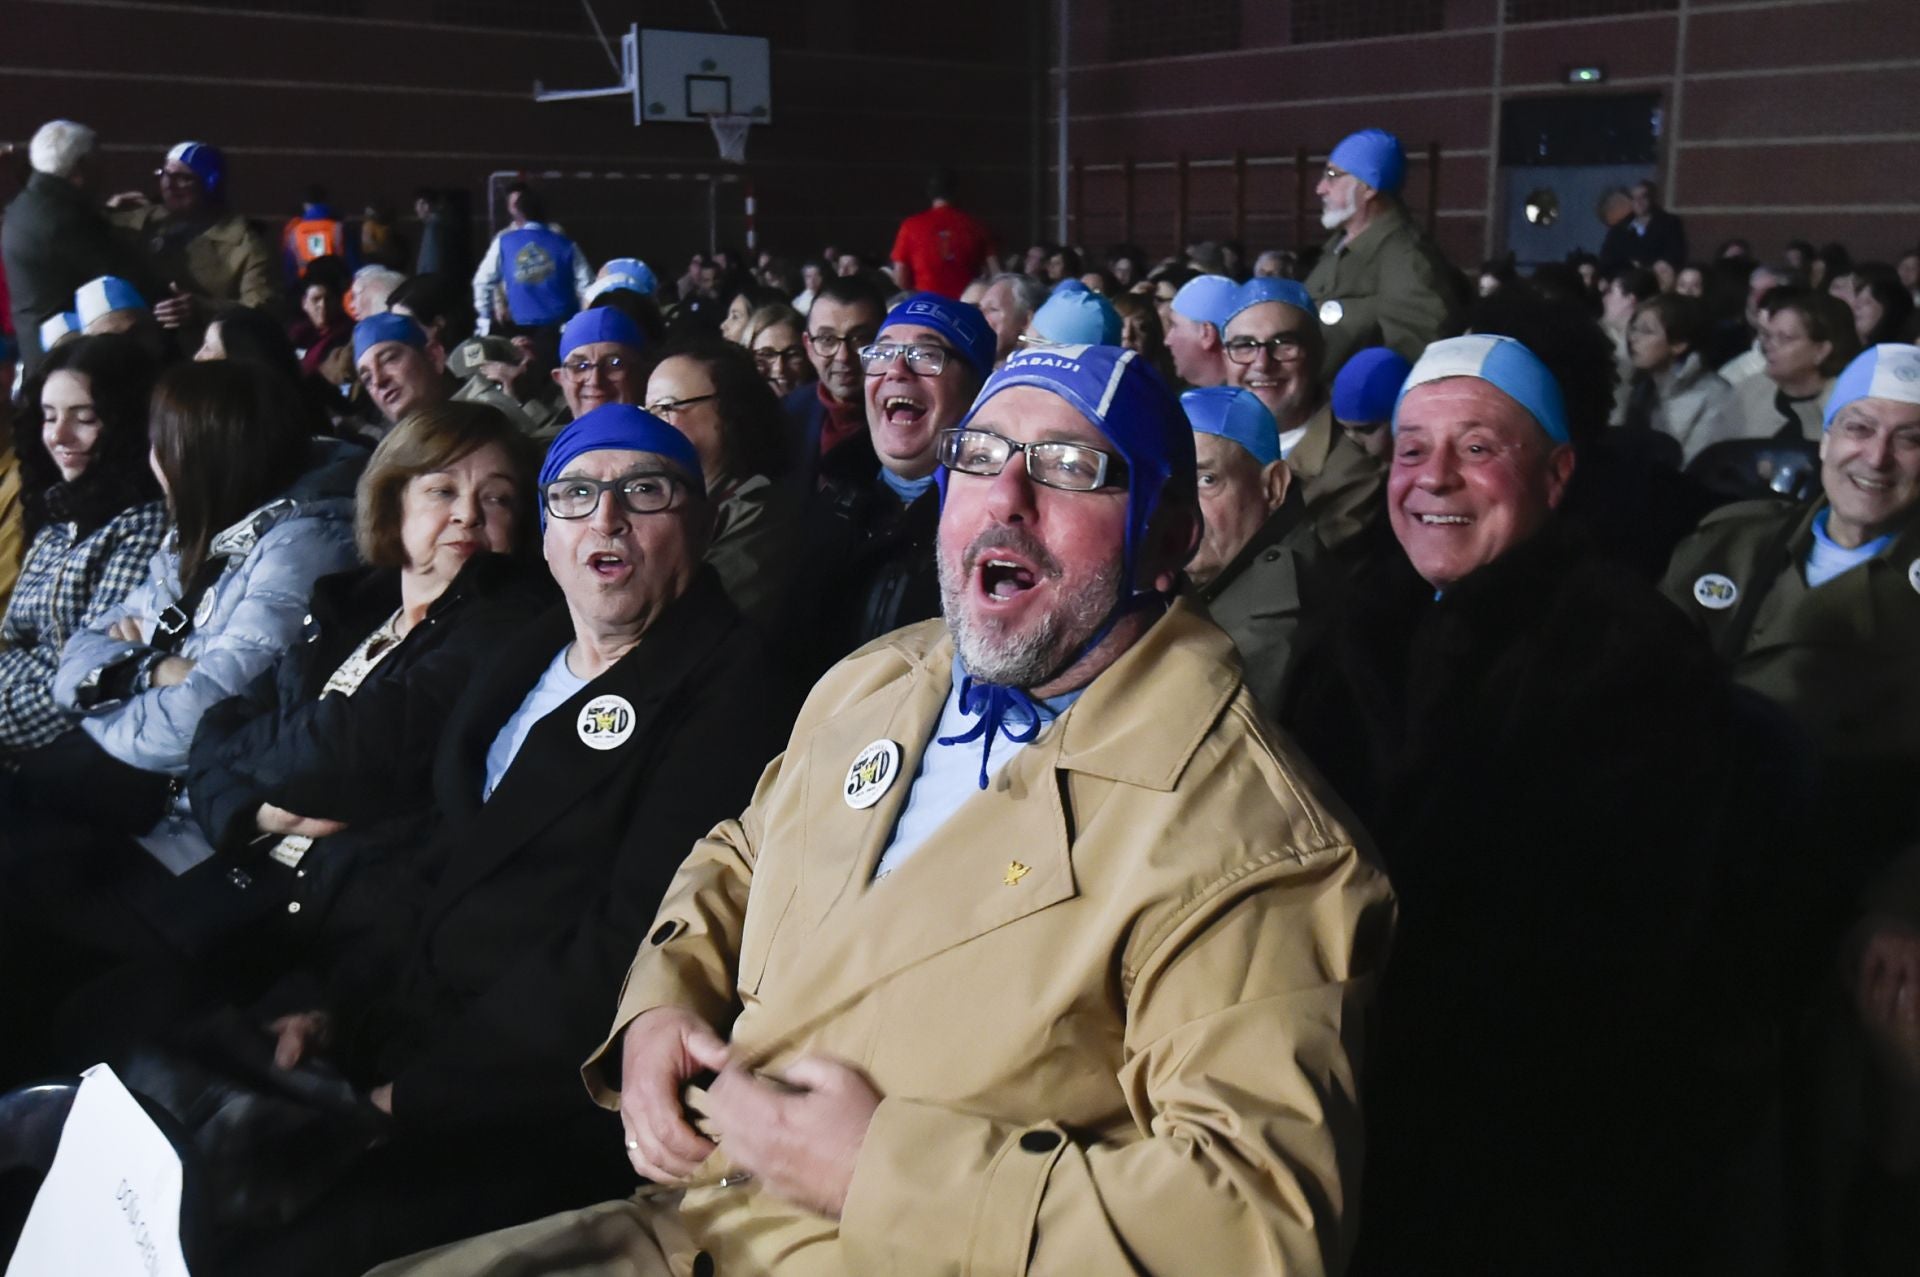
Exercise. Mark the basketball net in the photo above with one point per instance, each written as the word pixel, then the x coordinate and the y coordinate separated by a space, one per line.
pixel 730 131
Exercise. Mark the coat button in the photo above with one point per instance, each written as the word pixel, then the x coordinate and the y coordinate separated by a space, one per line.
pixel 1040 1141
pixel 294 907
pixel 1271 556
pixel 703 1265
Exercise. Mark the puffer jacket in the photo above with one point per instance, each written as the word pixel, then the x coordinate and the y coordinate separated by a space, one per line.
pixel 242 624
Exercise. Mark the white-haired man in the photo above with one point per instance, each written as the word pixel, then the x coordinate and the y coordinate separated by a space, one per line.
pixel 54 237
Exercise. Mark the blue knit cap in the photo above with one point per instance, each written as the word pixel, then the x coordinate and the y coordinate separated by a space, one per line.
pixel 387 326
pixel 1374 156
pixel 601 324
pixel 1237 414
pixel 207 163
pixel 617 427
pixel 1288 292
pixel 1501 362
pixel 1207 299
pixel 1889 371
pixel 103 296
pixel 959 322
pixel 1368 386
pixel 1078 319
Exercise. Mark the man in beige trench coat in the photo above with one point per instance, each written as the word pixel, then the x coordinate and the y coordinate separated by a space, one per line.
pixel 1042 957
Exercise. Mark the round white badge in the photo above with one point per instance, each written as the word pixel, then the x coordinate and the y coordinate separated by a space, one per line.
pixel 203 611
pixel 1715 591
pixel 605 722
pixel 872 774
pixel 1913 574
pixel 1331 312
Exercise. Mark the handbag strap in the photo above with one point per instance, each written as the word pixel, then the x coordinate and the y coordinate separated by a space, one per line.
pixel 176 621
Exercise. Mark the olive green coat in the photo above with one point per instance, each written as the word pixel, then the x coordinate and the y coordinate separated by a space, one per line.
pixel 1393 288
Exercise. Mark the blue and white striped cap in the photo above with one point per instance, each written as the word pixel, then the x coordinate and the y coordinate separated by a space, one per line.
pixel 629 273
pixel 54 327
pixel 105 295
pixel 1889 371
pixel 1288 292
pixel 1501 362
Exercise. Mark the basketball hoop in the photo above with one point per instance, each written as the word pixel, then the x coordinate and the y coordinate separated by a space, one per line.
pixel 730 131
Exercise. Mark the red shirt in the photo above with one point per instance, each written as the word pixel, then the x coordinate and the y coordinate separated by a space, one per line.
pixel 944 248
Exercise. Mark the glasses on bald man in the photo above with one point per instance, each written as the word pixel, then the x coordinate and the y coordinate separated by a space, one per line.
pixel 643 492
pixel 1283 347
pixel 1070 467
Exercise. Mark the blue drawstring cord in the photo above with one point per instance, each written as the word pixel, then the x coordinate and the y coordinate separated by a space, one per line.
pixel 995 702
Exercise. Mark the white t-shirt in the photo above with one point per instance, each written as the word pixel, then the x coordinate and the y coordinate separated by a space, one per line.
pixel 556 686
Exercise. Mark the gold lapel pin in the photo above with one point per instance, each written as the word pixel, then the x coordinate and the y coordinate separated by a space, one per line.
pixel 1015 872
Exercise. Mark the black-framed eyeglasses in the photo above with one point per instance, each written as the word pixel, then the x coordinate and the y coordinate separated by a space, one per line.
pixel 829 344
pixel 606 366
pixel 766 357
pixel 1283 347
pixel 1070 467
pixel 642 492
pixel 674 407
pixel 924 359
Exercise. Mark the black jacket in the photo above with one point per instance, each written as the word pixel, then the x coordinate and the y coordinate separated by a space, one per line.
pixel 868 565
pixel 1665 240
pixel 483 1003
pixel 364 759
pixel 1551 767
pixel 53 239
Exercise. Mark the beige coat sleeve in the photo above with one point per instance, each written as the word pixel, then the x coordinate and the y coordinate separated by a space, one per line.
pixel 1242 1037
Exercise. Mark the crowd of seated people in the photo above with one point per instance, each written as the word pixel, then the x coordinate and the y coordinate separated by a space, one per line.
pixel 1279 762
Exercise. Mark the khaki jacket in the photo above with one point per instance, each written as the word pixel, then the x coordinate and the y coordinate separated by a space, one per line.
pixel 1115 1004
pixel 1393 288
pixel 227 262
pixel 1345 488
pixel 1842 659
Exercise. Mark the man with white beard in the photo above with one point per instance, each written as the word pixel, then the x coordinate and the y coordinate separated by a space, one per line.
pixel 1380 282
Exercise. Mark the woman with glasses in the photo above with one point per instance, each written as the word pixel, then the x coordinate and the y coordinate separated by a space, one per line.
pixel 1672 391
pixel 774 337
pixel 714 393
pixel 1806 339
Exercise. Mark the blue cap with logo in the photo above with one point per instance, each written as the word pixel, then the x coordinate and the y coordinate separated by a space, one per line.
pixel 617 427
pixel 1207 299
pixel 1888 371
pixel 1368 385
pixel 1084 318
pixel 103 296
pixel 961 323
pixel 602 324
pixel 207 163
pixel 1374 156
pixel 1502 363
pixel 377 330
pixel 1288 292
pixel 1237 414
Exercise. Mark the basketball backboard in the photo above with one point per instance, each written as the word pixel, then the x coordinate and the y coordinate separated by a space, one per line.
pixel 686 76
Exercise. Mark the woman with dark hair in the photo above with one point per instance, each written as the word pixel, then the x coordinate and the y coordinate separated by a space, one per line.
pixel 747 298
pixel 1829 267
pixel 255 523
pixel 1881 304
pixel 1140 330
pixel 94 515
pixel 1673 391
pixel 242 335
pixel 1806 338
pixel 712 392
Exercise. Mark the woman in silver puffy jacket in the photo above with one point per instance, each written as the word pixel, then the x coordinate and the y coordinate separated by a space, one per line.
pixel 260 512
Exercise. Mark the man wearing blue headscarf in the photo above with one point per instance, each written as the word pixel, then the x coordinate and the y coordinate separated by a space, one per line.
pixel 1552 766
pixel 1036 952
pixel 1381 281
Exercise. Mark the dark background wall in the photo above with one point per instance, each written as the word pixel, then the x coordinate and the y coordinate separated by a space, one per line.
pixel 374 98
pixel 1779 118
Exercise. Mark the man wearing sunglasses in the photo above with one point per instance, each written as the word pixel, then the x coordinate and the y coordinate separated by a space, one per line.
pixel 870 530
pixel 1035 952
pixel 1381 282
